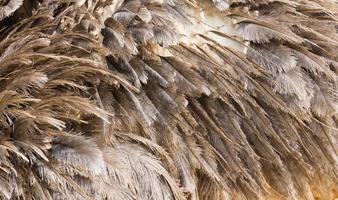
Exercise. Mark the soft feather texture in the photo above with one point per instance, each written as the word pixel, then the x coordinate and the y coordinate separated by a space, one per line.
pixel 168 99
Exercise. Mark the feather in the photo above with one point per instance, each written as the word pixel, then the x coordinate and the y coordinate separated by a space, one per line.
pixel 221 5
pixel 33 80
pixel 78 152
pixel 262 34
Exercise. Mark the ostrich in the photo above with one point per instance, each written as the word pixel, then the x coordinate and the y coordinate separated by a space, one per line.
pixel 168 99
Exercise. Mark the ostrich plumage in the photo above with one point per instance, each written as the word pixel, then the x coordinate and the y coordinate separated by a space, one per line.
pixel 168 99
